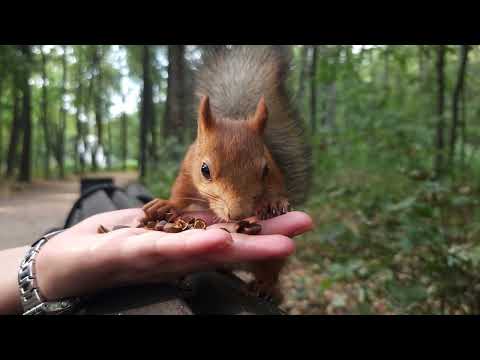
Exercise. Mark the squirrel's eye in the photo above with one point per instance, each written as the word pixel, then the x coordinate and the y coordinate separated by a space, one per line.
pixel 265 172
pixel 206 172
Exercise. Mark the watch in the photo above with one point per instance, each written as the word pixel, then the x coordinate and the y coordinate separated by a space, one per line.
pixel 33 303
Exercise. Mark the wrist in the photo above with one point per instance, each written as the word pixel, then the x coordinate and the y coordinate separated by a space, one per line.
pixel 68 270
pixel 45 267
pixel 54 270
pixel 32 298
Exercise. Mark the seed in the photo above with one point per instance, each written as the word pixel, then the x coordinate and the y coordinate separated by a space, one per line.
pixel 199 224
pixel 251 229
pixel 160 226
pixel 119 227
pixel 180 223
pixel 231 227
pixel 171 215
pixel 251 219
pixel 102 230
pixel 171 228
pixel 188 219
pixel 242 224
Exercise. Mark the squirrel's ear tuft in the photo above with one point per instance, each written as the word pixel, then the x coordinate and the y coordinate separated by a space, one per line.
pixel 206 120
pixel 259 121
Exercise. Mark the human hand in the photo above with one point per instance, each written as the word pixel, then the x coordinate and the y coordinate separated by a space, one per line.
pixel 80 261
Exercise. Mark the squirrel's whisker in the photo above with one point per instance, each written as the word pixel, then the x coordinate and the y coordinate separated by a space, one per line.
pixel 194 199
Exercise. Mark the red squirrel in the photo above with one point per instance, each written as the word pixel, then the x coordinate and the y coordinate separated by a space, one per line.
pixel 250 157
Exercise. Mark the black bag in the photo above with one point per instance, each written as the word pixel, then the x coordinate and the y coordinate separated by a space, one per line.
pixel 210 293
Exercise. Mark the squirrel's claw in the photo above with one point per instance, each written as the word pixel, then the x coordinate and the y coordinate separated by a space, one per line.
pixel 271 209
pixel 160 210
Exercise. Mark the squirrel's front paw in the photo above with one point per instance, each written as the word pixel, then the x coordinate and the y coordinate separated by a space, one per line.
pixel 273 208
pixel 160 210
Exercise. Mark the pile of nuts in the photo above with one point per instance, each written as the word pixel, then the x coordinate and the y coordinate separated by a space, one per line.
pixel 243 227
pixel 176 224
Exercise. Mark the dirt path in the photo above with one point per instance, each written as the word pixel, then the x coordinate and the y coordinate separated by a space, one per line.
pixel 27 213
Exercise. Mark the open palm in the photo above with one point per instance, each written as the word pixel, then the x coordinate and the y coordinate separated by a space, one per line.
pixel 80 261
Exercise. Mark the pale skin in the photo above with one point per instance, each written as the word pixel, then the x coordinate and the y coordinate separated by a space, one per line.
pixel 80 261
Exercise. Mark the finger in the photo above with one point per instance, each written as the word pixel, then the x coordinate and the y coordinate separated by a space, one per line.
pixel 291 224
pixel 123 233
pixel 194 242
pixel 174 246
pixel 127 217
pixel 110 243
pixel 264 247
pixel 244 250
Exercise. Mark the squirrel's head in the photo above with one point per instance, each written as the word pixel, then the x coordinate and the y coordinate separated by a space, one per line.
pixel 231 162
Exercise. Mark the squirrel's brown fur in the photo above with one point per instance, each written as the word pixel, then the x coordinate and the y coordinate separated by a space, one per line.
pixel 235 78
pixel 250 156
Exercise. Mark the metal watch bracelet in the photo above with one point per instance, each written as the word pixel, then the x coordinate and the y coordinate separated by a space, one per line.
pixel 33 303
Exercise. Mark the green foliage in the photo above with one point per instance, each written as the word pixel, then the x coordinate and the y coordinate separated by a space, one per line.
pixel 383 223
pixel 164 171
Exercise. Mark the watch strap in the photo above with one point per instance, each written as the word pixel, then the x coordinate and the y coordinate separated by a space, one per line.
pixel 33 303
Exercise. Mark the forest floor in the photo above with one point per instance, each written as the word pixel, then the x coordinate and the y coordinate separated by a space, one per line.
pixel 27 212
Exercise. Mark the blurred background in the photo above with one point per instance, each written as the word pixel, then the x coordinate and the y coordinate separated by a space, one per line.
pixel 395 133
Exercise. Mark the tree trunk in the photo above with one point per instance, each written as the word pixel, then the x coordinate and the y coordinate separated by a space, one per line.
pixel 97 94
pixel 146 111
pixel 166 131
pixel 329 119
pixel 79 159
pixel 174 123
pixel 386 74
pixel 349 58
pixel 422 68
pixel 153 132
pixel 26 158
pixel 332 106
pixel 440 141
pixel 463 125
pixel 1 126
pixel 16 127
pixel 63 119
pixel 124 141
pixel 99 109
pixel 313 90
pixel 44 116
pixel 303 73
pixel 464 49
pixel 109 147
pixel 88 106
